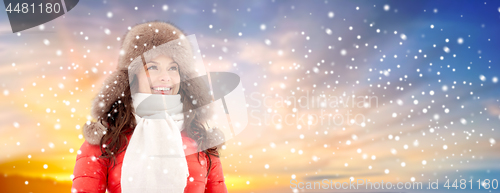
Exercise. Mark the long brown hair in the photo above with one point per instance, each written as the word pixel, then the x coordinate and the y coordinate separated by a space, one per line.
pixel 122 121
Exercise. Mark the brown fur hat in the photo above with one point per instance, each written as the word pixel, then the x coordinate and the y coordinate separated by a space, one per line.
pixel 140 43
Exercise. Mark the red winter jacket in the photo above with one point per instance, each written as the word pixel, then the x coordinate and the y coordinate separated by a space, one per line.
pixel 92 175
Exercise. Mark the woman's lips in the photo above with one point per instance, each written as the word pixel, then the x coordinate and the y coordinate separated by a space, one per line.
pixel 164 92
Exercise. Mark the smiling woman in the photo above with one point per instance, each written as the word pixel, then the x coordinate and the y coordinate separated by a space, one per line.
pixel 160 114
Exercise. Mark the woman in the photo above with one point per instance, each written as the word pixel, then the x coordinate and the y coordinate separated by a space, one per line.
pixel 151 134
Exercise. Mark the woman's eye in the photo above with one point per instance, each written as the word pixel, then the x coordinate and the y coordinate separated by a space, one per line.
pixel 152 68
pixel 173 68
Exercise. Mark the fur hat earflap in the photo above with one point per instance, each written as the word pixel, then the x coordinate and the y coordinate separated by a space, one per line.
pixel 93 132
pixel 215 138
pixel 112 90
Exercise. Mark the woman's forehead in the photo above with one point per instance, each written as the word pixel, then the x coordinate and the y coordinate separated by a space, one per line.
pixel 162 59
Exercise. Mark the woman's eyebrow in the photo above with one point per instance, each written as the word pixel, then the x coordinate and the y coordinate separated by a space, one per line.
pixel 152 61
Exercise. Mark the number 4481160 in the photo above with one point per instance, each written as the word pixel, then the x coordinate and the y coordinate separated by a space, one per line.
pixel 462 184
pixel 25 8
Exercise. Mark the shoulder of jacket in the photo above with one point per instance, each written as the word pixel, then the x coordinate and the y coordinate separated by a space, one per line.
pixel 89 150
pixel 189 145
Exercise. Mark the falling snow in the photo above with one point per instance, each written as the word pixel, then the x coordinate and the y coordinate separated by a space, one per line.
pixel 337 93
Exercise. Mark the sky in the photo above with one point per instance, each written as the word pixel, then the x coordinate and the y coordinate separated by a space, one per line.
pixel 398 91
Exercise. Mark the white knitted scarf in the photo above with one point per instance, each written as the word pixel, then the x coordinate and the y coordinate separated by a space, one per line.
pixel 154 160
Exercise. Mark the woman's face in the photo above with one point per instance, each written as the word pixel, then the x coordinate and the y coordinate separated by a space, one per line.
pixel 163 72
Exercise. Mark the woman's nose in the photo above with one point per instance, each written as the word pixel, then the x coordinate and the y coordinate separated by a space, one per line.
pixel 164 76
